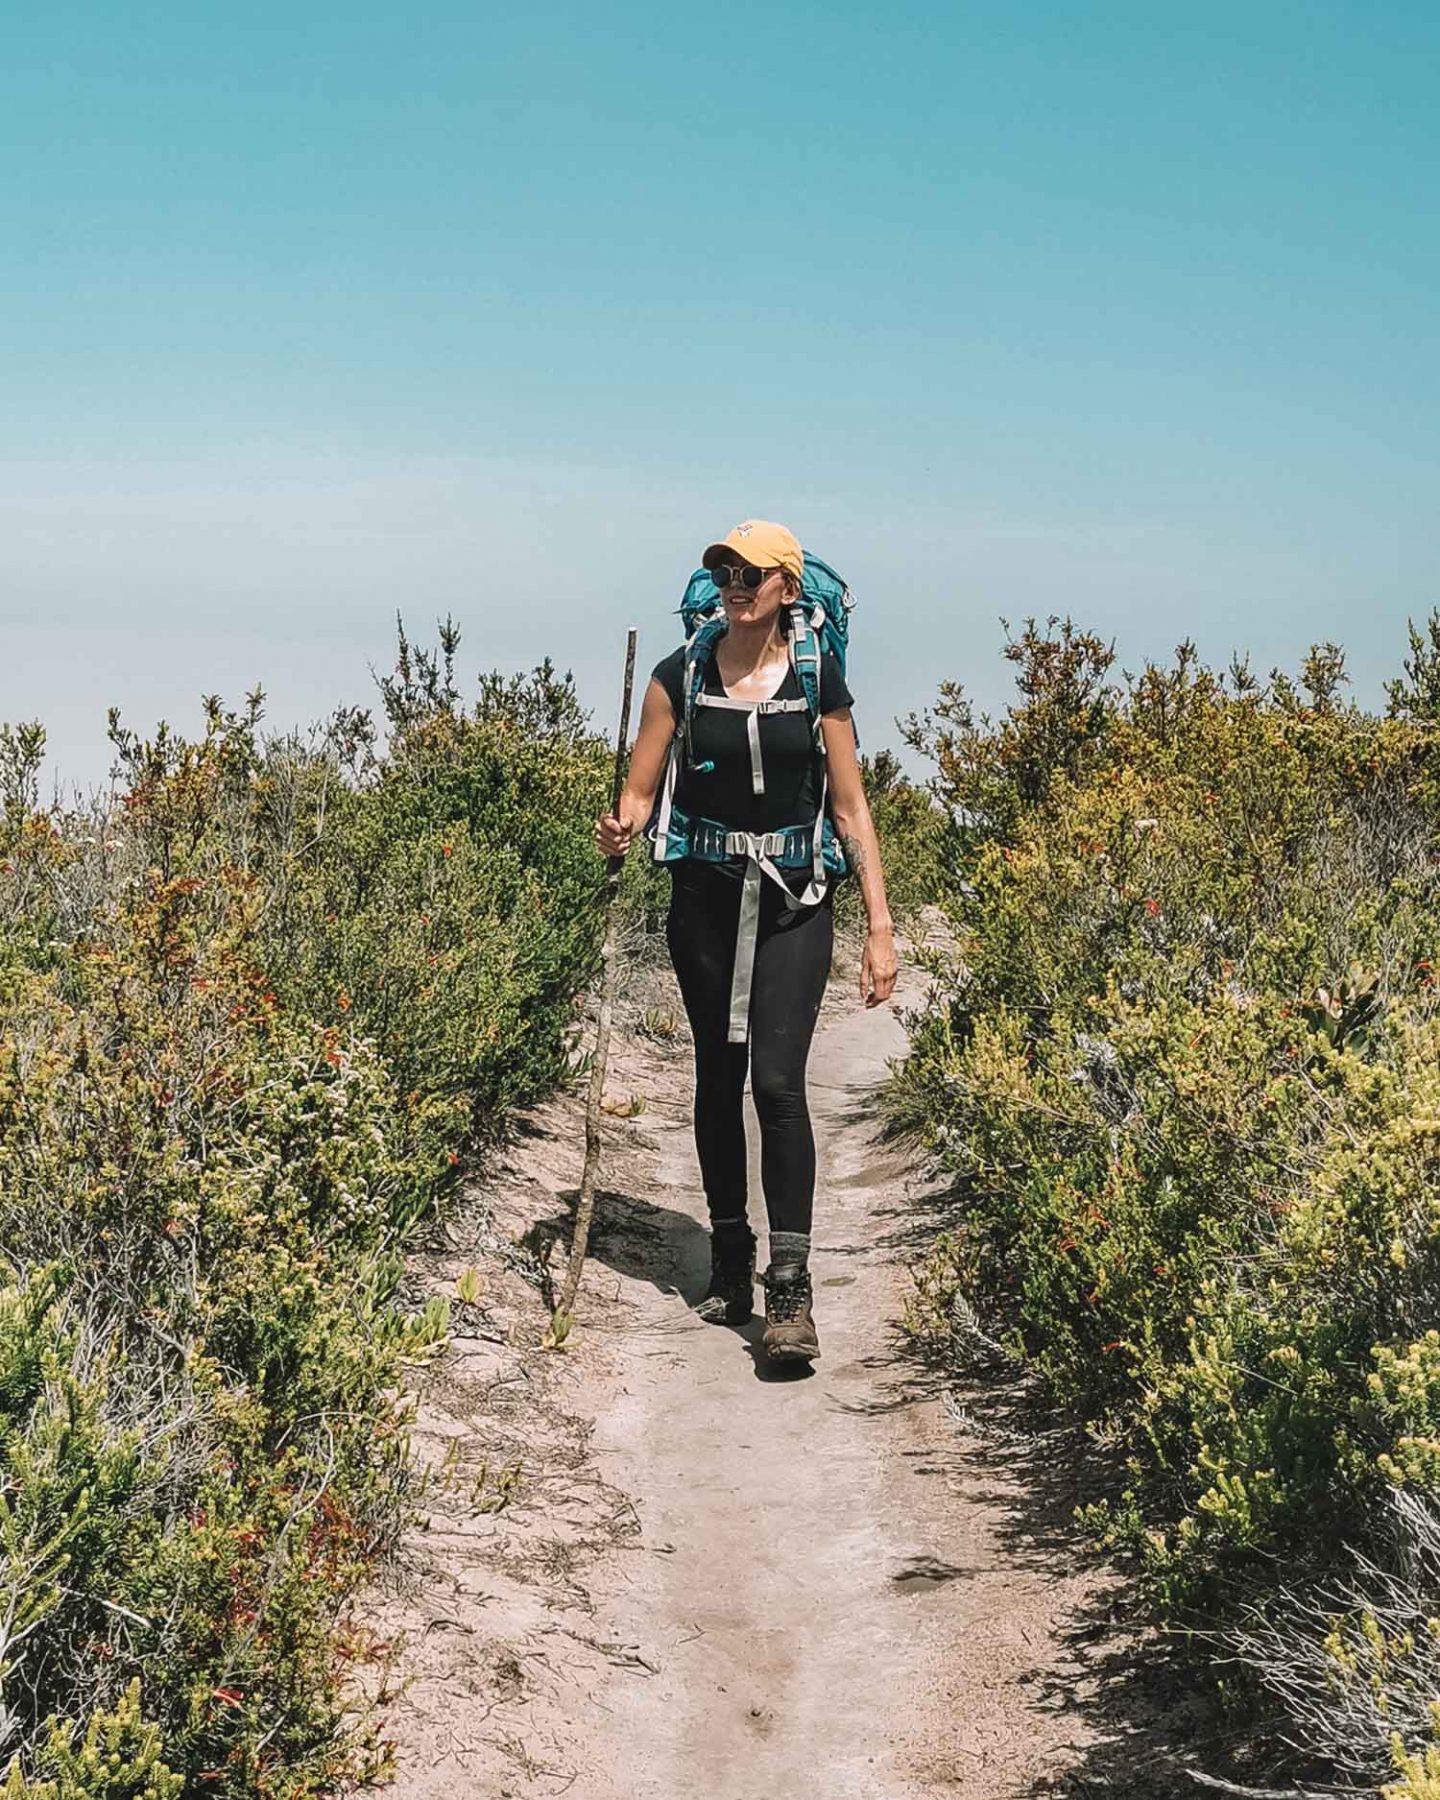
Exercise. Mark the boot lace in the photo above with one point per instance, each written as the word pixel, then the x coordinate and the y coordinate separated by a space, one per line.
pixel 787 1298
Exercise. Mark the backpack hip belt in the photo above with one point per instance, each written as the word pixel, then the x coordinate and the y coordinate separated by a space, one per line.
pixel 709 840
pixel 766 853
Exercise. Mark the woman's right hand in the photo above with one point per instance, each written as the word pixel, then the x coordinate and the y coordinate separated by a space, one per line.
pixel 612 838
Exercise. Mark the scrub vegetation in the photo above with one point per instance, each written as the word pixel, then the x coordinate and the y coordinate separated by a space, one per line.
pixel 256 1014
pixel 1181 1069
pixel 1183 1072
pixel 911 829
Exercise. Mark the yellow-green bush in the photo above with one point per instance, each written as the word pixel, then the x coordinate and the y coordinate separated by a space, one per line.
pixel 1184 1071
pixel 251 1017
pixel 911 830
pixel 1419 1775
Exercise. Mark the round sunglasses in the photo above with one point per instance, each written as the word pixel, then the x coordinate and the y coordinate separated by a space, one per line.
pixel 726 575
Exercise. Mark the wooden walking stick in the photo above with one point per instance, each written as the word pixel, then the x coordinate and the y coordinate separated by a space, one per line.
pixel 564 1314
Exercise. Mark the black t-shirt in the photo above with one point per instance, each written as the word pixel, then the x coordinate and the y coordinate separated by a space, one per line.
pixel 787 754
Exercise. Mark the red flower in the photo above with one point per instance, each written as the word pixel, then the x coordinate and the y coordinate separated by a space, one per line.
pixel 1152 907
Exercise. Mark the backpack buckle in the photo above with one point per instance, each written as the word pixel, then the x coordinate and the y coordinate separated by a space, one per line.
pixel 754 844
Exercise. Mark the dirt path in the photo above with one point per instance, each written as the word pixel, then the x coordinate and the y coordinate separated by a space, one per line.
pixel 705 1577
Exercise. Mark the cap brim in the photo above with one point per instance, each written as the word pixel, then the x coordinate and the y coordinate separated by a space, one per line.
pixel 722 553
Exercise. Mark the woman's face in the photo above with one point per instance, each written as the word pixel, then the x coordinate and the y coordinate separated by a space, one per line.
pixel 742 607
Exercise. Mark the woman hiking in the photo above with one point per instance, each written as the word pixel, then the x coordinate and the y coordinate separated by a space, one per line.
pixel 750 924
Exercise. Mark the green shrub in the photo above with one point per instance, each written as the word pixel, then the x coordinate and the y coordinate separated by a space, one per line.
pixel 911 832
pixel 250 1022
pixel 118 1758
pixel 1182 1072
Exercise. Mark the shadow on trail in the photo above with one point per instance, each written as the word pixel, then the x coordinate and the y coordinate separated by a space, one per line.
pixel 1149 1710
pixel 779 1374
pixel 671 1251
pixel 1146 1719
pixel 633 1237
pixel 1149 1716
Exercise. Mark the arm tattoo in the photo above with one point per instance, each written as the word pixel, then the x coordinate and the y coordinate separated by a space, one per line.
pixel 854 855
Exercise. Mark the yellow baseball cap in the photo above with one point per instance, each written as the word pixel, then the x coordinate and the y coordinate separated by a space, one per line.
pixel 762 543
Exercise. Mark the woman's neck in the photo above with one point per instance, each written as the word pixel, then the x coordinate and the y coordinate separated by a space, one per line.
pixel 752 646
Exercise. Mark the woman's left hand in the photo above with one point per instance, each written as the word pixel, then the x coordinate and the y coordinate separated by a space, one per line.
pixel 878 965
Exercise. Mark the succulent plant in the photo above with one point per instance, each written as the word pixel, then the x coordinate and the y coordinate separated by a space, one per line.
pixel 1345 1012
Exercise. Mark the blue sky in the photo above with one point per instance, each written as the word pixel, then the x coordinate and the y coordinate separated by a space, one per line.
pixel 315 313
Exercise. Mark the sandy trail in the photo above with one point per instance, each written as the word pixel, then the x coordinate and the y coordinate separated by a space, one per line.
pixel 712 1577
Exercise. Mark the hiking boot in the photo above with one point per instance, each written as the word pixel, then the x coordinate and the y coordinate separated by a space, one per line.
pixel 790 1334
pixel 730 1297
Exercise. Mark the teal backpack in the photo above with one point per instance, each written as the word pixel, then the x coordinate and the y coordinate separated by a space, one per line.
pixel 819 621
pixel 825 602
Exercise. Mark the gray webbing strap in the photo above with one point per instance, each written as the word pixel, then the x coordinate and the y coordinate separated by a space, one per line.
pixel 746 936
pixel 764 706
pixel 667 801
pixel 757 848
pixel 753 708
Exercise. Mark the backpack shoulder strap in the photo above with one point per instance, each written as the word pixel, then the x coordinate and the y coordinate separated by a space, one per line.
pixel 805 647
pixel 805 660
pixel 699 649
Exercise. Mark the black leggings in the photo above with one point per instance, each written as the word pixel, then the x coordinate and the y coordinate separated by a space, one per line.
pixel 792 962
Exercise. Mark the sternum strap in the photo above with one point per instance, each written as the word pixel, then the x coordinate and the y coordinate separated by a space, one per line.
pixel 752 725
